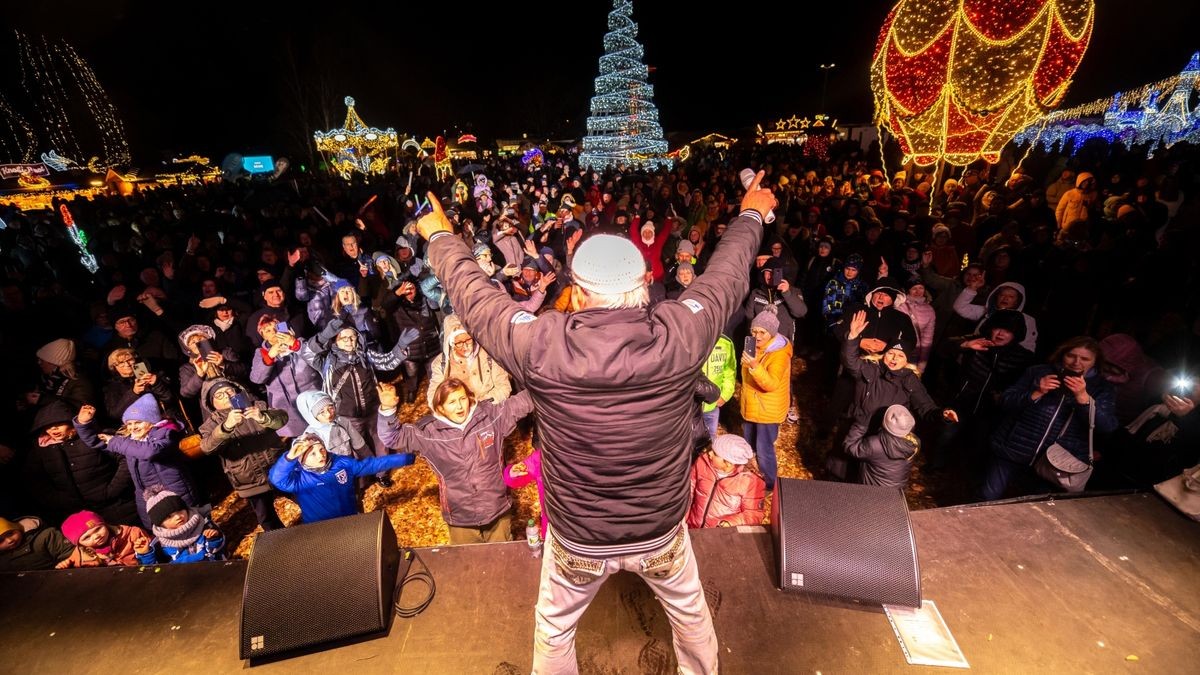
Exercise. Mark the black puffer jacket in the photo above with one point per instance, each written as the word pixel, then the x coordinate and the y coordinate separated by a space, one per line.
pixel 885 460
pixel 1029 426
pixel 985 375
pixel 248 451
pixel 876 387
pixel 613 389
pixel 67 477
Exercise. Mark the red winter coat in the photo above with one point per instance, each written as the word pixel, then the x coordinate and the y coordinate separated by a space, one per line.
pixel 736 499
pixel 653 252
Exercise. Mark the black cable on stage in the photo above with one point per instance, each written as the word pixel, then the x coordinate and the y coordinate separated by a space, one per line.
pixel 425 577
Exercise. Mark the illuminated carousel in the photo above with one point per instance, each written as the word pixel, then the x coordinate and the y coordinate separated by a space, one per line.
pixel 356 147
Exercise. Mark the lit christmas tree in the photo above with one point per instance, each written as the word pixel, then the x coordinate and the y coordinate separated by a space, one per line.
pixel 623 127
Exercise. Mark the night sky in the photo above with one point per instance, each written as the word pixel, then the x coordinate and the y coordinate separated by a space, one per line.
pixel 215 76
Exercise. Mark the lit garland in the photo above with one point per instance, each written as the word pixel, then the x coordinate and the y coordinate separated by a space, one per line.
pixel 80 238
pixel 1131 118
pixel 356 147
pixel 623 126
pixel 54 76
pixel 23 144
pixel 954 80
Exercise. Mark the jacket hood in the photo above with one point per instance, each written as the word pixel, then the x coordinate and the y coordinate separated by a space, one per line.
pixel 777 344
pixel 54 412
pixel 452 327
pixel 210 386
pixel 991 299
pixel 199 328
pixel 1124 351
pixel 1079 180
pixel 309 402
pixel 392 279
pixel 899 296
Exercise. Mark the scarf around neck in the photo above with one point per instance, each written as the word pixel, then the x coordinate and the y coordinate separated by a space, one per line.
pixel 183 536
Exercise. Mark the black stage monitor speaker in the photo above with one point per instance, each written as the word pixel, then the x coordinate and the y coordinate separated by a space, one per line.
pixel 319 583
pixel 845 540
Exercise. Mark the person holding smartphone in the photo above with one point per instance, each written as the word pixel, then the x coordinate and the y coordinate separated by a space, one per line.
pixel 132 377
pixel 766 390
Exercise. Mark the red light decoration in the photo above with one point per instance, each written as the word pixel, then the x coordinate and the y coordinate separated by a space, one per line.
pixel 954 80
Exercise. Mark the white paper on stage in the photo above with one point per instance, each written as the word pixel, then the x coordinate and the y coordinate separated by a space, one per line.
pixel 924 637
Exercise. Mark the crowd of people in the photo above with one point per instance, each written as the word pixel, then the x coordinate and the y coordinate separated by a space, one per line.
pixel 272 331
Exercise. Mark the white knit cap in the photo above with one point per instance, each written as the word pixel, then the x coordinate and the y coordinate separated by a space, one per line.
pixel 897 421
pixel 732 448
pixel 59 352
pixel 609 265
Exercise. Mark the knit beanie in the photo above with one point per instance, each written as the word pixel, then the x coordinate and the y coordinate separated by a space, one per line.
pixel 897 421
pixel 402 242
pixel 906 346
pixel 609 265
pixel 161 503
pixel 686 246
pixel 1010 320
pixel 767 320
pixel 77 524
pixel 340 284
pixel 685 267
pixel 479 250
pixel 59 352
pixel 732 448
pixel 144 409
pixel 854 260
pixel 268 285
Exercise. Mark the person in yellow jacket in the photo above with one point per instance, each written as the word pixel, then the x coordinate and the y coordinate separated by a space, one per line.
pixel 766 391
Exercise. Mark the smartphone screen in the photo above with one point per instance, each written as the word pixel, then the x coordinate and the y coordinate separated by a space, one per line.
pixel 748 346
pixel 205 347
pixel 140 369
pixel 281 327
pixel 239 402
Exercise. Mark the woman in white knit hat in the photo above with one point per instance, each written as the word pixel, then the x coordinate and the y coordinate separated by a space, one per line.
pixel 60 378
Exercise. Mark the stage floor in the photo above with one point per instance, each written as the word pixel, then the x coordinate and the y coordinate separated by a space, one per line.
pixel 1100 585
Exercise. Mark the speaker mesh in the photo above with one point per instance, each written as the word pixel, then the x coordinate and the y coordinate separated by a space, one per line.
pixel 845 540
pixel 317 583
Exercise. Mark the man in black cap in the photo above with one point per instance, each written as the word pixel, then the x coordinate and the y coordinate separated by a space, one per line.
pixel 274 306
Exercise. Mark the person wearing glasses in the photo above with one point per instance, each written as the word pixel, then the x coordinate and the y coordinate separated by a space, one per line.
pixel 463 359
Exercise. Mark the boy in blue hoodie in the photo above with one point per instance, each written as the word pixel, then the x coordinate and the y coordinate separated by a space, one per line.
pixel 322 483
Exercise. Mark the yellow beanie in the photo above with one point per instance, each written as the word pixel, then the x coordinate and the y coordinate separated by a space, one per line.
pixel 7 526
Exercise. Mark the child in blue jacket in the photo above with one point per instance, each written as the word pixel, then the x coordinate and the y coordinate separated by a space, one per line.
pixel 181 533
pixel 323 483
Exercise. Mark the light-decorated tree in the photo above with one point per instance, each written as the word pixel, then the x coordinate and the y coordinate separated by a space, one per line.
pixel 623 127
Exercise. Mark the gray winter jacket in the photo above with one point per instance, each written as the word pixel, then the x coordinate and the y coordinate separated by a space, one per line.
pixel 885 459
pixel 284 379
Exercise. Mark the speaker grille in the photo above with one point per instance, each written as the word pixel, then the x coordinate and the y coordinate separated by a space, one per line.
pixel 317 583
pixel 845 540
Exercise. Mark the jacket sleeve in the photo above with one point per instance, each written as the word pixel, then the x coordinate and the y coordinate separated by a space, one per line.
pixel 501 383
pixel 212 435
pixel 391 360
pixel 88 434
pixel 487 312
pixel 147 450
pixel 517 481
pixel 828 298
pixel 861 446
pixel 392 433
pixel 1019 395
pixel 706 391
pixel 921 403
pixel 150 557
pixel 937 283
pixel 285 474
pixel 1106 410
pixel 260 372
pixel 773 375
pixel 794 300
pixel 437 373
pixel 217 543
pixel 190 381
pixel 726 280
pixel 373 465
pixel 964 308
pixel 851 361
pixel 512 410
pixel 752 512
pixel 728 377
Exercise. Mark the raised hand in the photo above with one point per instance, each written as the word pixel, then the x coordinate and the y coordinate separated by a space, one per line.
pixel 86 414
pixel 858 323
pixel 757 198
pixel 435 221
pixel 547 279
pixel 388 398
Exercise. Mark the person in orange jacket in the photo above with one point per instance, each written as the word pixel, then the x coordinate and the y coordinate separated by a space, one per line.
pixel 766 391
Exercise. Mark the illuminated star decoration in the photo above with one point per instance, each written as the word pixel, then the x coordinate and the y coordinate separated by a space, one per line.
pixel 80 238
pixel 1132 118
pixel 793 122
pixel 623 126
pixel 356 147
pixel 954 80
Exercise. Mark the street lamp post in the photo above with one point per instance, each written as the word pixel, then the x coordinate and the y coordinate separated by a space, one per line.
pixel 825 68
